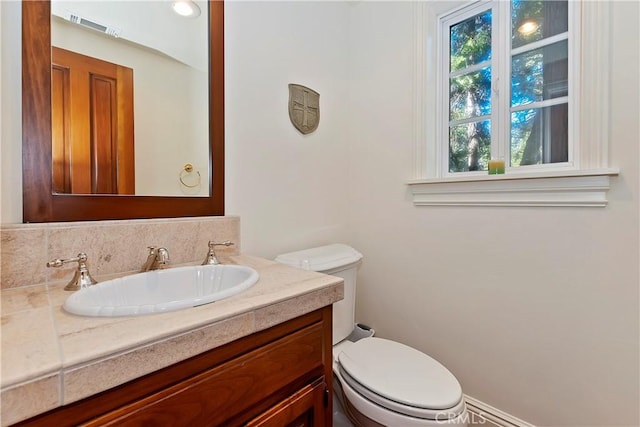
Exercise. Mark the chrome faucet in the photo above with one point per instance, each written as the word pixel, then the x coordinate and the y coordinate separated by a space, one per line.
pixel 158 258
pixel 81 278
pixel 211 258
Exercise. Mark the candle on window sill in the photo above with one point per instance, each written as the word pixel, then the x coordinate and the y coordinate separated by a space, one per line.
pixel 496 166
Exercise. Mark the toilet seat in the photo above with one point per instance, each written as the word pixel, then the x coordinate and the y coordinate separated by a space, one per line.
pixel 400 378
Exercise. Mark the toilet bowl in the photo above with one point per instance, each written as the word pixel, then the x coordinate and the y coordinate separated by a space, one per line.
pixel 387 383
pixel 380 382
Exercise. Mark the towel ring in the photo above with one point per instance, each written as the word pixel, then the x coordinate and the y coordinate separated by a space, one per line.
pixel 187 169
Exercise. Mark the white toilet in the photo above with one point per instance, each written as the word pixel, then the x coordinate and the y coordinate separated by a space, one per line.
pixel 378 381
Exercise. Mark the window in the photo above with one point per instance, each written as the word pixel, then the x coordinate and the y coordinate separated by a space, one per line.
pixel 508 80
pixel 506 84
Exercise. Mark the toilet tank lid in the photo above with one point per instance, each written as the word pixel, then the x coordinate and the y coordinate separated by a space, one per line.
pixel 321 258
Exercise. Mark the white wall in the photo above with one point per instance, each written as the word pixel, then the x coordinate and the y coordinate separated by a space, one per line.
pixel 288 188
pixel 535 310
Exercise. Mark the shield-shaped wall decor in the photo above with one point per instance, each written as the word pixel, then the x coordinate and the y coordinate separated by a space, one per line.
pixel 304 108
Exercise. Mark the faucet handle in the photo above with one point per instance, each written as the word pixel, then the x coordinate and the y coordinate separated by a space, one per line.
pixel 158 258
pixel 162 257
pixel 211 258
pixel 81 278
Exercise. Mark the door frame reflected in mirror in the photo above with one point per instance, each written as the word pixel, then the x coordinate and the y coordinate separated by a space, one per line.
pixel 40 204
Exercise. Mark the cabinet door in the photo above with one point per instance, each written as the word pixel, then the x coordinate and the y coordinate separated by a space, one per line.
pixel 232 392
pixel 304 408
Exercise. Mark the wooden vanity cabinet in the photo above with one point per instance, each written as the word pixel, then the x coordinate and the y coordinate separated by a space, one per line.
pixel 277 377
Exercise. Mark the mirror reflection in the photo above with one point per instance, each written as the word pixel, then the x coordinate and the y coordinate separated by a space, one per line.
pixel 129 98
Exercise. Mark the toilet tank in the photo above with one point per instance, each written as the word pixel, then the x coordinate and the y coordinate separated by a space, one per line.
pixel 337 260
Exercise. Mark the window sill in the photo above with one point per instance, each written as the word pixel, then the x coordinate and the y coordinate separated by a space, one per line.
pixel 584 188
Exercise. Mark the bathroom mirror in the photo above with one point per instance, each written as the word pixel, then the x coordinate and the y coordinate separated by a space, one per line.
pixel 130 97
pixel 41 203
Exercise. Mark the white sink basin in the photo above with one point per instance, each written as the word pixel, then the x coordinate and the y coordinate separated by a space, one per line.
pixel 161 290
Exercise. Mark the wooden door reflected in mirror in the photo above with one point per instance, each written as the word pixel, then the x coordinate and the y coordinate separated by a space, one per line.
pixel 92 144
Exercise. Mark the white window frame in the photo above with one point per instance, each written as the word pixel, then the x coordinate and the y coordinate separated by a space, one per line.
pixel 582 181
pixel 455 16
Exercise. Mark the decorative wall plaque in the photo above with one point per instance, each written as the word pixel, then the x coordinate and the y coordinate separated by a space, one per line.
pixel 304 108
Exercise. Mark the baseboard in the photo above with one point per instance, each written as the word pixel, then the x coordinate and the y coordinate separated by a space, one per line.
pixel 481 413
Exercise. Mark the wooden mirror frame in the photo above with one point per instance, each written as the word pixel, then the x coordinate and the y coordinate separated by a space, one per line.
pixel 40 204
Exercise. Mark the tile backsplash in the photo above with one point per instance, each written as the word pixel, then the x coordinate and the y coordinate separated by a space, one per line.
pixel 112 247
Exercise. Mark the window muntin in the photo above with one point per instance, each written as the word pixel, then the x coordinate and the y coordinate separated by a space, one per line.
pixel 529 126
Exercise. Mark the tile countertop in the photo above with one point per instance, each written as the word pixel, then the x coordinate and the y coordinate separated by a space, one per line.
pixel 51 358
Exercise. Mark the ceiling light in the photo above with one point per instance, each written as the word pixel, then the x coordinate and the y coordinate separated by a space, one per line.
pixel 186 8
pixel 528 27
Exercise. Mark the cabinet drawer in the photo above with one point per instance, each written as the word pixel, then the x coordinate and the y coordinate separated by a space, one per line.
pixel 305 408
pixel 236 390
